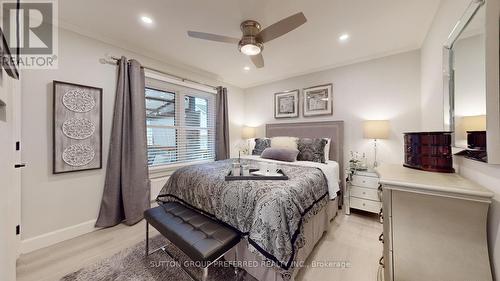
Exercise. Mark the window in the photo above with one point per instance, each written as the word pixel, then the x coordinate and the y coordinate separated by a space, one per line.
pixel 180 124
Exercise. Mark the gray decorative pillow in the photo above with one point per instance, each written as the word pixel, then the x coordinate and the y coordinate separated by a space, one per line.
pixel 281 154
pixel 312 150
pixel 260 145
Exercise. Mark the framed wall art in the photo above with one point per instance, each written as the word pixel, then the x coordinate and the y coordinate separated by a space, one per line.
pixel 318 100
pixel 286 104
pixel 77 127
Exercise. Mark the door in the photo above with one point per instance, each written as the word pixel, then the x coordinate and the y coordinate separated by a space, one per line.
pixel 10 177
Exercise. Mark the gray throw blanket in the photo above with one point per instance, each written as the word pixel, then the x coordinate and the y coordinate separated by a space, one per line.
pixel 270 214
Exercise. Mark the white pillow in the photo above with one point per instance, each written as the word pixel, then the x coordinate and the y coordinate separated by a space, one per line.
pixel 284 142
pixel 327 148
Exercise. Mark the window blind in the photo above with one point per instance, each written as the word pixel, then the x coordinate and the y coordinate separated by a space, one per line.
pixel 180 124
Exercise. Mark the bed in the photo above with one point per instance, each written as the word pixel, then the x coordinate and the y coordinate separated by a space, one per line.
pixel 281 221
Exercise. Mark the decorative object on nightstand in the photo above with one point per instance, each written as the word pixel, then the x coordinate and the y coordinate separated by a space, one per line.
pixel 357 163
pixel 243 145
pixel 376 130
pixel 363 191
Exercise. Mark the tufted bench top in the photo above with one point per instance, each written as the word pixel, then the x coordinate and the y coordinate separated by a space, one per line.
pixel 198 236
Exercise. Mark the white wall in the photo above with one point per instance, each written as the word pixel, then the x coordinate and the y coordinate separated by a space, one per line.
pixel 56 207
pixel 432 62
pixel 386 88
pixel 432 114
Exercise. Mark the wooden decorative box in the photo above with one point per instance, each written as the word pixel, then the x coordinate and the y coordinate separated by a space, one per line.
pixel 429 151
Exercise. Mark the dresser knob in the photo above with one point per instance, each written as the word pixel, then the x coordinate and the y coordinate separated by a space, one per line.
pixel 381 238
pixel 364 192
pixel 363 204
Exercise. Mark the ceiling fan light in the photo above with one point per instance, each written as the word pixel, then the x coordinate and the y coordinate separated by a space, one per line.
pixel 250 49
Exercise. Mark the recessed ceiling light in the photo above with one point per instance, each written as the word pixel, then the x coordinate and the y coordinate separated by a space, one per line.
pixel 146 20
pixel 247 68
pixel 344 37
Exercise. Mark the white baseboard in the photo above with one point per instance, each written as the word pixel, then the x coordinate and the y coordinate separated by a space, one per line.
pixel 54 237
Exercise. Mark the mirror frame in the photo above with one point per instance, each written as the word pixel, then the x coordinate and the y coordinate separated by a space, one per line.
pixel 448 66
pixel 492 47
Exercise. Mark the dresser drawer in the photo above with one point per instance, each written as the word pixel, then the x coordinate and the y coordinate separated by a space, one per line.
pixel 366 205
pixel 365 193
pixel 364 181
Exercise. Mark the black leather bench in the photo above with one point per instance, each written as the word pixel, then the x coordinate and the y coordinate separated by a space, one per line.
pixel 201 238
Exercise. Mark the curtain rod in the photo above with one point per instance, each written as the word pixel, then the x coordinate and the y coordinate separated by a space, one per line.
pixel 115 60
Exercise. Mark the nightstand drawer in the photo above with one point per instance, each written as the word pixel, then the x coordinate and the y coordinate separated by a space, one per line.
pixel 366 205
pixel 364 181
pixel 364 193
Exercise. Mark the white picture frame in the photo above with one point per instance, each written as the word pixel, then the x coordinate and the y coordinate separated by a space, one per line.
pixel 318 100
pixel 286 104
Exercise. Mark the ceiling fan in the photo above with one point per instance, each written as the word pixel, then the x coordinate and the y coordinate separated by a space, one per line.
pixel 253 39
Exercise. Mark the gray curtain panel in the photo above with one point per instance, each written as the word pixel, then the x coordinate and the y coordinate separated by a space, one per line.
pixel 221 125
pixel 127 188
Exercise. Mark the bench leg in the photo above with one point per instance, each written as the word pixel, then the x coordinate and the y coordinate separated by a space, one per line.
pixel 205 274
pixel 147 239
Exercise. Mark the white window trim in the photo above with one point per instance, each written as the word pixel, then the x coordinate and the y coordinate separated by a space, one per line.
pixel 167 170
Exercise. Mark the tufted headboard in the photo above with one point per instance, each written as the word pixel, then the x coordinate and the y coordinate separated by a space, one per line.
pixel 324 129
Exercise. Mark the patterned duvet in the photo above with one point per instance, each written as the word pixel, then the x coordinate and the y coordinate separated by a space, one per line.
pixel 270 214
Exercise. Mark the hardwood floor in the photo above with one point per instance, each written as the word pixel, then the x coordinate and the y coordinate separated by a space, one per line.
pixel 352 241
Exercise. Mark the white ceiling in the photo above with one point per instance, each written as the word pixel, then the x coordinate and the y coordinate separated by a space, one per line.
pixel 376 27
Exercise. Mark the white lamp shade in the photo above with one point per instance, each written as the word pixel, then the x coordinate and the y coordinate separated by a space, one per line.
pixel 376 129
pixel 468 123
pixel 474 123
pixel 248 133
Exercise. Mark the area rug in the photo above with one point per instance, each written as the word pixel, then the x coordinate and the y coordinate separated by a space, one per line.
pixel 130 264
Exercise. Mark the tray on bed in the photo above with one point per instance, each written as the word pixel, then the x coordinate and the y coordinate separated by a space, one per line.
pixel 230 176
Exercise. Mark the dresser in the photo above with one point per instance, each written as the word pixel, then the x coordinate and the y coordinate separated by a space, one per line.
pixel 434 226
pixel 363 192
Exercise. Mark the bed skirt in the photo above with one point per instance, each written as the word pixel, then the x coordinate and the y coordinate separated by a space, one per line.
pixel 313 231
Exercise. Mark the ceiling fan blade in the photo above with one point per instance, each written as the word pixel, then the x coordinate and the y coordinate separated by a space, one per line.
pixel 282 27
pixel 213 37
pixel 258 60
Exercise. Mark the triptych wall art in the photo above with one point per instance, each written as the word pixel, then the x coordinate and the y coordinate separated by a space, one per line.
pixel 77 127
pixel 316 101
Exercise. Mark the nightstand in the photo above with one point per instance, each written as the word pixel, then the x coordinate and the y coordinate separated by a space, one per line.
pixel 363 192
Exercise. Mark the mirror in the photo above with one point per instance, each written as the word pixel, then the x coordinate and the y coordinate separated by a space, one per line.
pixel 465 75
pixel 470 81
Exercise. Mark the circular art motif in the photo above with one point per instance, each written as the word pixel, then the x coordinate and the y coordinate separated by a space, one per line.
pixel 78 128
pixel 78 155
pixel 78 101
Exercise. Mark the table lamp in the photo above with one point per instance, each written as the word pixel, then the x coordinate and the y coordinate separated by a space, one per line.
pixel 244 144
pixel 376 130
pixel 474 123
pixel 248 133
